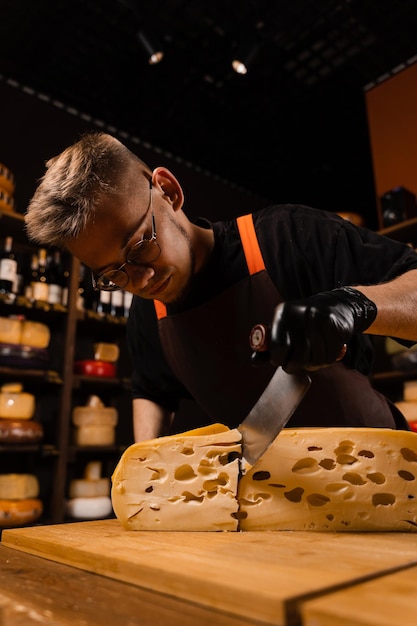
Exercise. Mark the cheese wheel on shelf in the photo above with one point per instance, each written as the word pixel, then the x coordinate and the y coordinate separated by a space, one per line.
pixel 89 508
pixel 19 512
pixel 20 431
pixel 92 485
pixel 18 486
pixel 90 416
pixel 10 330
pixel 106 352
pixel 94 436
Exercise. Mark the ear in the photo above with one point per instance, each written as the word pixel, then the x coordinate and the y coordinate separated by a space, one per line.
pixel 165 181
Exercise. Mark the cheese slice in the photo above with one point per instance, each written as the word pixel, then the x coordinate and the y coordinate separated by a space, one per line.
pixel 180 482
pixel 333 479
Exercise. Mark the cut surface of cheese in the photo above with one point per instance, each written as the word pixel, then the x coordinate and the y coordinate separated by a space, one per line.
pixel 322 479
pixel 179 482
pixel 18 486
pixel 333 479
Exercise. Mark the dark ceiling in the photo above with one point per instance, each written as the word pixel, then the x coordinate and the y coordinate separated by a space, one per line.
pixel 293 129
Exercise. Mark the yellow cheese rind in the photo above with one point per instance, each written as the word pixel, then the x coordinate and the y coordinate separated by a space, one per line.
pixel 333 479
pixel 182 482
pixel 18 486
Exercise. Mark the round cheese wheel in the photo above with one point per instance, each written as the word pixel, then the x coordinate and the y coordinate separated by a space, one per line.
pixel 83 488
pixel 20 405
pixel 89 508
pixel 20 431
pixel 94 435
pixel 19 512
pixel 90 416
pixel 18 486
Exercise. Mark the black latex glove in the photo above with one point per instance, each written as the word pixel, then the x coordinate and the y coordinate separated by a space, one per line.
pixel 312 333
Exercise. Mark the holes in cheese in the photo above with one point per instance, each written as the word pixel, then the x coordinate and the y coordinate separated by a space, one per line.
pixel 365 481
pixel 323 479
pixel 180 482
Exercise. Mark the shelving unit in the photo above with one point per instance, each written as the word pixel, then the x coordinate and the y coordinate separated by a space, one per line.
pixel 58 390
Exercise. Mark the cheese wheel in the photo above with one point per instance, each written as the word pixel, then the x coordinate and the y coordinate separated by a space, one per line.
pixel 106 352
pixel 18 405
pixel 333 479
pixel 89 416
pixel 89 508
pixel 19 512
pixel 94 435
pixel 10 330
pixel 315 479
pixel 410 391
pixel 84 488
pixel 20 431
pixel 180 482
pixel 35 334
pixel 18 486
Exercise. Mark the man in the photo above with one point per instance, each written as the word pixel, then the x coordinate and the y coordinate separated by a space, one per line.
pixel 319 281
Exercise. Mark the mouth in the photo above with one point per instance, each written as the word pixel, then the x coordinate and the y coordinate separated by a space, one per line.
pixel 159 288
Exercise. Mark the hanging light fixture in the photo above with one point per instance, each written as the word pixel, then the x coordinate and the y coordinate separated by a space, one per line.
pixel 151 47
pixel 244 58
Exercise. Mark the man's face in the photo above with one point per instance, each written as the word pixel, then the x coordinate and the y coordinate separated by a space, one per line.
pixel 120 222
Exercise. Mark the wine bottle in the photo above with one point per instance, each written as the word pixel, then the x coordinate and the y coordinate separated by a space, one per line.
pixel 104 302
pixel 54 277
pixel 39 280
pixel 117 307
pixel 8 267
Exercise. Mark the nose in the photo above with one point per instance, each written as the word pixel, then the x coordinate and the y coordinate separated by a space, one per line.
pixel 140 275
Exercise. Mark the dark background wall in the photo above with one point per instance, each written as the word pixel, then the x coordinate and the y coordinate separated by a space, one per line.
pixel 34 130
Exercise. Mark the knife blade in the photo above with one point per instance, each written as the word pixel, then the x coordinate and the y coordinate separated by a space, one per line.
pixel 271 412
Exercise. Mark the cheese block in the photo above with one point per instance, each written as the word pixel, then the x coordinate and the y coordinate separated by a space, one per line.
pixel 16 404
pixel 92 485
pixel 10 330
pixel 19 512
pixel 179 482
pixel 18 486
pixel 318 479
pixel 333 479
pixel 94 435
pixel 106 352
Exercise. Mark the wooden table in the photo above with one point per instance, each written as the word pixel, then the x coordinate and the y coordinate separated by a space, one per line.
pixel 96 572
pixel 383 601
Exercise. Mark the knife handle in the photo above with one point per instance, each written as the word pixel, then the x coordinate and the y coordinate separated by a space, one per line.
pixel 260 337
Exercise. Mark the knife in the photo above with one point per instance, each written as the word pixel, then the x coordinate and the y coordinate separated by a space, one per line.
pixel 276 404
pixel 271 412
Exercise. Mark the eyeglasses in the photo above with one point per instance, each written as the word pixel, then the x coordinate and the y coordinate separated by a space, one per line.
pixel 143 252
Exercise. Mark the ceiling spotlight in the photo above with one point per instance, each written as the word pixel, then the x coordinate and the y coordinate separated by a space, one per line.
pixel 153 50
pixel 244 59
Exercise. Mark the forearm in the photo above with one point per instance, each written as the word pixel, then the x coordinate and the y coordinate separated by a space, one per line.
pixel 150 420
pixel 396 302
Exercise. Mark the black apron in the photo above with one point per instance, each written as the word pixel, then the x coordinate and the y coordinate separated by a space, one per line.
pixel 207 348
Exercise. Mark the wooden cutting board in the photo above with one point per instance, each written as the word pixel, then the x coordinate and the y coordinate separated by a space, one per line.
pixel 385 601
pixel 259 575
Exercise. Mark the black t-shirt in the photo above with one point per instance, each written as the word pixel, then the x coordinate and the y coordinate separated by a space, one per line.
pixel 305 250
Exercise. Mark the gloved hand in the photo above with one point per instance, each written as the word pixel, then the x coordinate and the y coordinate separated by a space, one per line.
pixel 311 333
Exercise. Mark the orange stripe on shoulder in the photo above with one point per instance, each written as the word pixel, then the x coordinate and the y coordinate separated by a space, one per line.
pixel 250 244
pixel 160 308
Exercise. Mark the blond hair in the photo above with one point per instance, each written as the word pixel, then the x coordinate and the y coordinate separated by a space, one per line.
pixel 65 201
